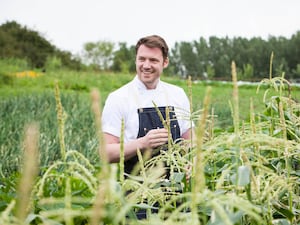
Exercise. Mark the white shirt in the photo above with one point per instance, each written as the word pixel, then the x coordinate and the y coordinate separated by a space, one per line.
pixel 124 102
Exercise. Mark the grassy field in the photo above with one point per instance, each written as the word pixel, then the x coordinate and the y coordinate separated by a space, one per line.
pixel 249 173
pixel 27 99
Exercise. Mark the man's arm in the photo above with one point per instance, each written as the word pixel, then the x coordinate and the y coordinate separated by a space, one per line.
pixel 152 139
pixel 188 134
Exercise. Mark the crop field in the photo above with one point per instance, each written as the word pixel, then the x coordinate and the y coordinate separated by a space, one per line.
pixel 244 167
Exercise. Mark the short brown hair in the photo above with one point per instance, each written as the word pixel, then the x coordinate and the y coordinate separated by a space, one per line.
pixel 154 41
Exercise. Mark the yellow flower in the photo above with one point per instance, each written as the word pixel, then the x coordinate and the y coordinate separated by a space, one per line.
pixel 29 73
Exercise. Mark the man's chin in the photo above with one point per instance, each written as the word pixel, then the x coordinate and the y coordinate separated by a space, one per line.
pixel 146 78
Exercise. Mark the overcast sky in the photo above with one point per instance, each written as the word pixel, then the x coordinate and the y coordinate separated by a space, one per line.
pixel 68 24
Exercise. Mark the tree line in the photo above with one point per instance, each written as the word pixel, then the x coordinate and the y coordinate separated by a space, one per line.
pixel 212 58
pixel 201 59
pixel 19 42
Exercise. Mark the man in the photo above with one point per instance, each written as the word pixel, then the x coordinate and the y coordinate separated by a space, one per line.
pixel 137 103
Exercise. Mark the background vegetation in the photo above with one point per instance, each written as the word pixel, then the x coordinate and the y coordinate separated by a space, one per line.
pixel 201 59
pixel 245 163
pixel 27 98
pixel 249 171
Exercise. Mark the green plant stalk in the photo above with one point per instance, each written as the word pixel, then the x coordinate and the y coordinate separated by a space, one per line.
pixel 286 153
pixel 97 115
pixel 271 65
pixel 190 95
pixel 211 136
pixel 79 157
pixel 61 117
pixel 5 216
pixel 199 176
pixel 256 146
pixel 68 203
pixel 164 122
pixel 98 209
pixel 212 124
pixel 235 97
pixel 221 212
pixel 281 87
pixel 29 173
pixel 168 124
pixel 272 124
pixel 252 117
pixel 141 162
pixel 247 162
pixel 42 182
pixel 143 171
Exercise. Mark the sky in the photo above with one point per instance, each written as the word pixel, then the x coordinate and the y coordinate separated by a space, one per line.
pixel 69 24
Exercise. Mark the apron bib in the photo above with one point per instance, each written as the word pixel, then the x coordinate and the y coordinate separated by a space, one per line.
pixel 149 119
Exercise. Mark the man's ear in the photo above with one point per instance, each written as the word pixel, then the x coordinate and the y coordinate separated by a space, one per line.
pixel 166 62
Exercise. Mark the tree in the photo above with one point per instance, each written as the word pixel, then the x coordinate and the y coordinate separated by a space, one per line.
pixel 124 59
pixel 20 42
pixel 187 63
pixel 219 56
pixel 204 67
pixel 293 54
pixel 99 54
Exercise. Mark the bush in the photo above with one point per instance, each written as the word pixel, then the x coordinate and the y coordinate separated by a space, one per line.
pixel 5 79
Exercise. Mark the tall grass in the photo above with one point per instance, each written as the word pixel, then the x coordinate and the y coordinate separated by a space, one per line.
pixel 245 175
pixel 17 111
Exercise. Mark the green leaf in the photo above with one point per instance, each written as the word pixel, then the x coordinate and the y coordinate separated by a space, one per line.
pixel 281 222
pixel 243 175
pixel 284 211
pixel 34 217
pixel 178 177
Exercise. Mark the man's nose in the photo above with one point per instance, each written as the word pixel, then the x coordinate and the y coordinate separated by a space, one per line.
pixel 147 64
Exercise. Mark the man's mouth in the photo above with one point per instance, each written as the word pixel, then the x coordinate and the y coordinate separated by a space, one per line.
pixel 147 72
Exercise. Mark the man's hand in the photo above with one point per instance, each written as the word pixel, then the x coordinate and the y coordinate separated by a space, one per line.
pixel 154 138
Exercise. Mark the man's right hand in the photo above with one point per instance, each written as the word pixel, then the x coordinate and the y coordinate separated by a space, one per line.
pixel 154 138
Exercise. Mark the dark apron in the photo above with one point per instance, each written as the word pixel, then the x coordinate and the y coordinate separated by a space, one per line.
pixel 149 119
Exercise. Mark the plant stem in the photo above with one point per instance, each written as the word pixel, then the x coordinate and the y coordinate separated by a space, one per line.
pixel 30 171
pixel 61 117
pixel 199 181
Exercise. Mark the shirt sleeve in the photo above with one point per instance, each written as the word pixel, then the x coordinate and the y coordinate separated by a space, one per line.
pixel 112 116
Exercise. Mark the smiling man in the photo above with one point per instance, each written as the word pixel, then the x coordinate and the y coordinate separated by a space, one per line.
pixel 137 102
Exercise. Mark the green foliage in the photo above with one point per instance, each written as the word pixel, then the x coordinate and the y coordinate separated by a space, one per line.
pixel 297 70
pixel 215 54
pixel 124 59
pixel 12 65
pixel 202 59
pixel 99 54
pixel 248 72
pixel 40 107
pixel 20 42
pixel 53 63
pixel 5 79
pixel 251 177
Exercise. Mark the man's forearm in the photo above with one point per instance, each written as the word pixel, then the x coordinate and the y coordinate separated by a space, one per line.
pixel 130 148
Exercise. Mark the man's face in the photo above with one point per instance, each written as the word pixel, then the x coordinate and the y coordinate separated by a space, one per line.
pixel 149 65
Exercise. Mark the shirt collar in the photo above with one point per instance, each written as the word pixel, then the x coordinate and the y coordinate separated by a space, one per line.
pixel 141 86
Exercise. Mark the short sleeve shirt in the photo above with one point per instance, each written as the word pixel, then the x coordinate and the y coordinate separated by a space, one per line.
pixel 123 104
